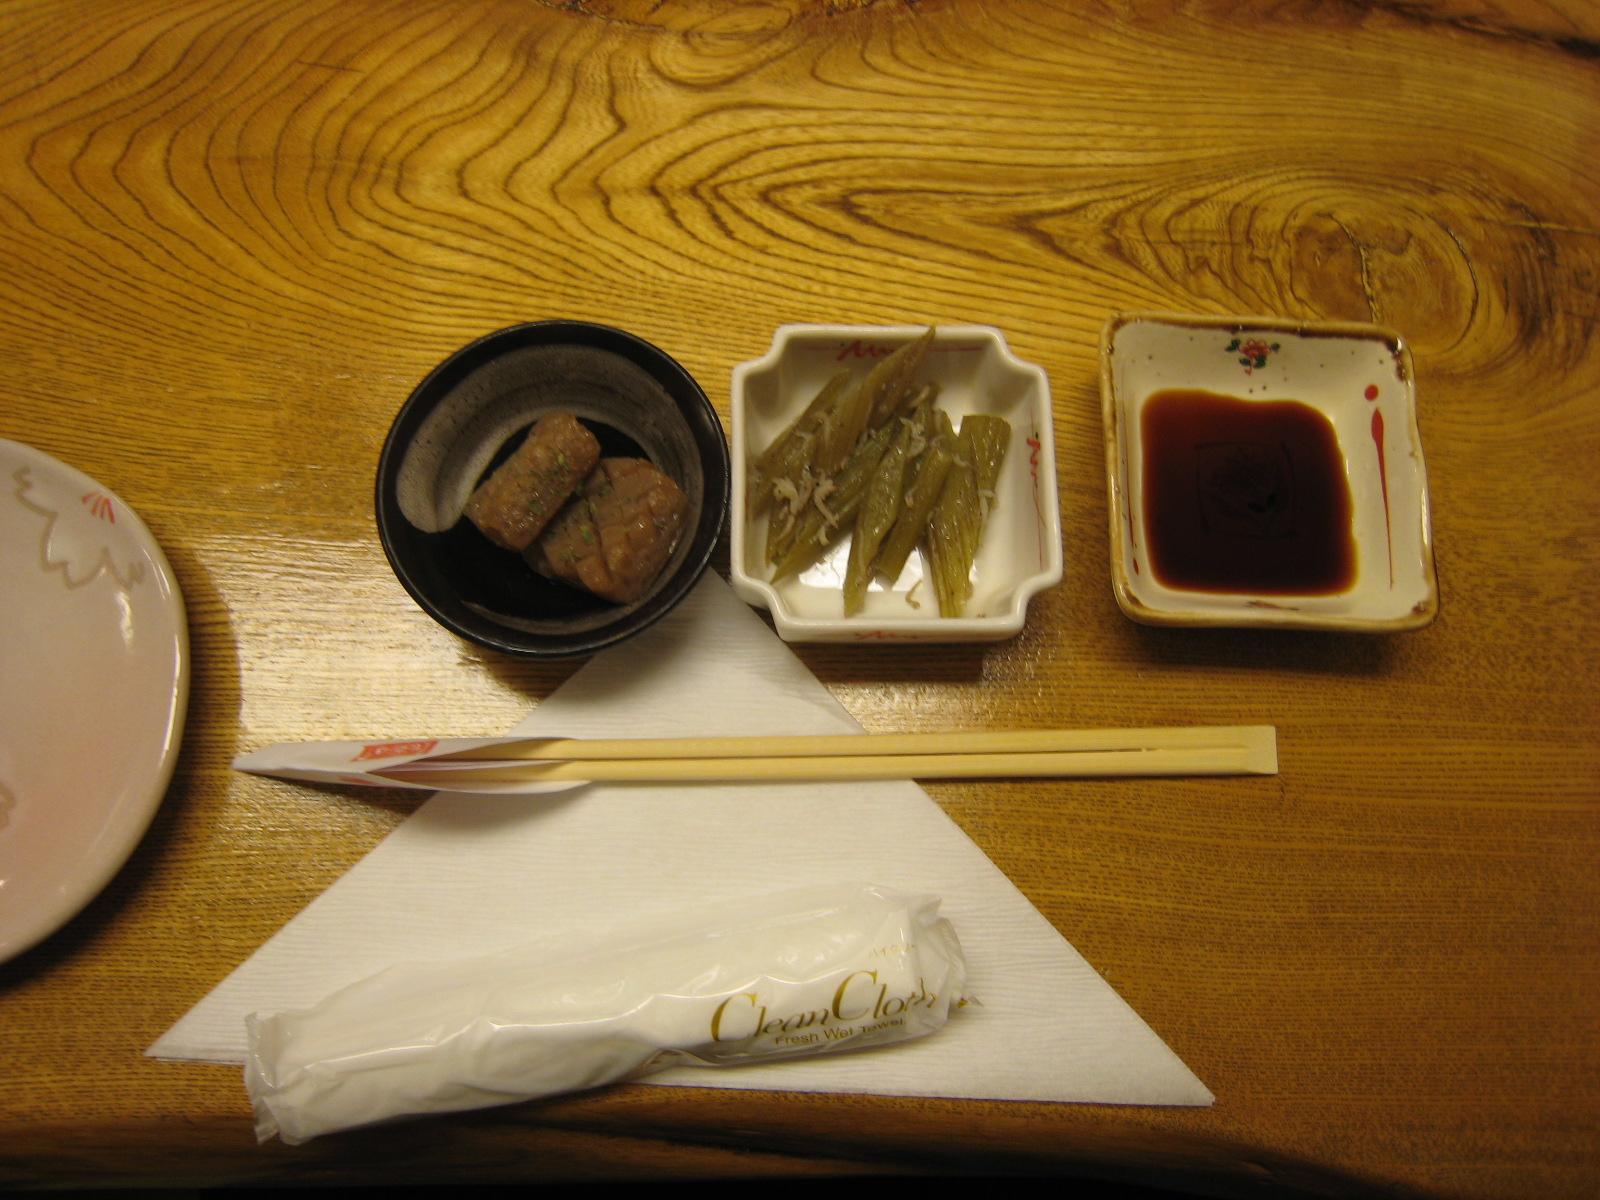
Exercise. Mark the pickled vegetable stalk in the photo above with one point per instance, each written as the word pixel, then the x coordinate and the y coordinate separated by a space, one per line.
pixel 802 467
pixel 927 479
pixel 956 525
pixel 791 450
pixel 819 526
pixel 833 503
pixel 890 381
pixel 879 509
pixel 874 458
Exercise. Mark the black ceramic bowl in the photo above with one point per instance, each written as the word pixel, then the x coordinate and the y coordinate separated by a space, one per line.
pixel 470 413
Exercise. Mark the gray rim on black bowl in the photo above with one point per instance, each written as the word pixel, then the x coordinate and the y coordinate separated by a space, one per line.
pixel 416 555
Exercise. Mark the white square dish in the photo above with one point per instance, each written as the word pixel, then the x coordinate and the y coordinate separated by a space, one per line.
pixel 1358 377
pixel 1020 553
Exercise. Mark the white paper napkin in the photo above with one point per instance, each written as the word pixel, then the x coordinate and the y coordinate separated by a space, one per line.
pixel 473 874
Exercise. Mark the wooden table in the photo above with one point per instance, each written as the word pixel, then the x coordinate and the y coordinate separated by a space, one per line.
pixel 234 235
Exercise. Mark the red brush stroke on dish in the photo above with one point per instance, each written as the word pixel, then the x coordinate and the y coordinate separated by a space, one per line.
pixel 1034 446
pixel 1127 511
pixel 1383 476
pixel 99 505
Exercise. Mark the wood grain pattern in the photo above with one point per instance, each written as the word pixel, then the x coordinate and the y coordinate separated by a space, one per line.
pixel 233 235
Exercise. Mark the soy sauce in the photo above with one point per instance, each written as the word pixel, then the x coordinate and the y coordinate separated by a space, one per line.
pixel 1245 496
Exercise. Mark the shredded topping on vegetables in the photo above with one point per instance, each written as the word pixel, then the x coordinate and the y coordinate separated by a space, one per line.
pixel 822 491
pixel 785 491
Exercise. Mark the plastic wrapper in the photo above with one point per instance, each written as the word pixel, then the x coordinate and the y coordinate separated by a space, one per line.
pixel 804 972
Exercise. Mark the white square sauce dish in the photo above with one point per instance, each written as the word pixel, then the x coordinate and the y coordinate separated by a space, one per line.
pixel 1265 472
pixel 973 375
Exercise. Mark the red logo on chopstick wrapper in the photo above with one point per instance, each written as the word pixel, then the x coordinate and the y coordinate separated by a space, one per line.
pixel 395 749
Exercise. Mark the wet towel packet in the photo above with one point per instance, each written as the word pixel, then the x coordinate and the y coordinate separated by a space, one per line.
pixel 804 972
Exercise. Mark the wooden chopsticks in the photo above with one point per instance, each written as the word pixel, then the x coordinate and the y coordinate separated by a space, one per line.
pixel 1064 753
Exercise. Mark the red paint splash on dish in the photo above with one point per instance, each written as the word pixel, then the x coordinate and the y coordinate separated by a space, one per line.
pixel 1383 478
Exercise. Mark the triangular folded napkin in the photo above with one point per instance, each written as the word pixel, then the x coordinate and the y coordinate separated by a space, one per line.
pixel 469 875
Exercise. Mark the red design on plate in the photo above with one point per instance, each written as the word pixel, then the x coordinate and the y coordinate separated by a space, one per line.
pixel 1034 446
pixel 860 349
pixel 1252 352
pixel 1372 391
pixel 99 505
pixel 1383 477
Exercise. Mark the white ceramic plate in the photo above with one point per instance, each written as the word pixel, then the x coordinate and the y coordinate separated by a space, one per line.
pixel 1360 378
pixel 94 655
pixel 1020 554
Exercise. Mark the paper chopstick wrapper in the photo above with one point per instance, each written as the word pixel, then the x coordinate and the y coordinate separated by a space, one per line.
pixel 384 764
